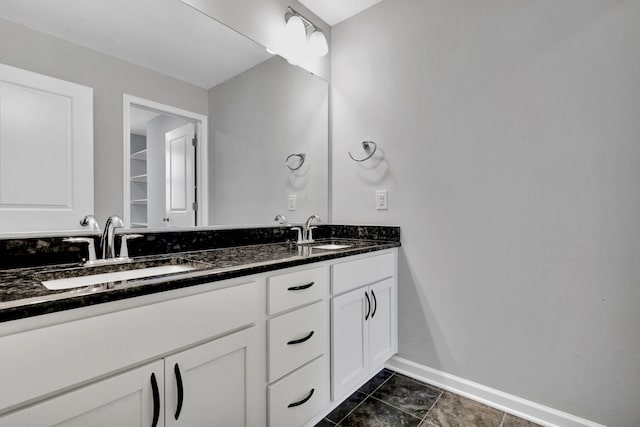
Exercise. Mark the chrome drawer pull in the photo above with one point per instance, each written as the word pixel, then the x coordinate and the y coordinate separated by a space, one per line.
pixel 303 401
pixel 301 340
pixel 301 287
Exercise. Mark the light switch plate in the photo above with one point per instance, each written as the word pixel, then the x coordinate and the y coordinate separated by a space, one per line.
pixel 382 200
pixel 292 202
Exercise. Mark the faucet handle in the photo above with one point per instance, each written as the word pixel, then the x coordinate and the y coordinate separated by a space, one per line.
pixel 91 222
pixel 299 229
pixel 124 238
pixel 88 240
pixel 310 233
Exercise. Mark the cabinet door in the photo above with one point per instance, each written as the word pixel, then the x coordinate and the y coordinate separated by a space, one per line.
pixel 382 323
pixel 350 341
pixel 128 399
pixel 212 384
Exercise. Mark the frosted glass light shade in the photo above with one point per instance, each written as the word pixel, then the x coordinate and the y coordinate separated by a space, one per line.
pixel 318 46
pixel 295 35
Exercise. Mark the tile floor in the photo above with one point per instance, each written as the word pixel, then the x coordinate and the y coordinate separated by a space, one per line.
pixel 391 399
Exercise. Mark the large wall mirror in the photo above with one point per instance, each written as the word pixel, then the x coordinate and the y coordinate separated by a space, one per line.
pixel 161 75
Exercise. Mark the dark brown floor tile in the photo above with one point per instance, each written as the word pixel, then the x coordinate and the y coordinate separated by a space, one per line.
pixel 452 410
pixel 325 423
pixel 513 421
pixel 374 413
pixel 345 407
pixel 407 394
pixel 375 382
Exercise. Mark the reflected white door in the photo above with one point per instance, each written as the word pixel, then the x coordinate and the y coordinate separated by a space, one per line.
pixel 46 152
pixel 180 177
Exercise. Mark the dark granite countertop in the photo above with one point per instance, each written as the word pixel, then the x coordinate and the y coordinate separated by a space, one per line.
pixel 22 294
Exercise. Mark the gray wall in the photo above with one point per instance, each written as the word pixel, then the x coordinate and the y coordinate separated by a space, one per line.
pixel 110 78
pixel 511 133
pixel 256 120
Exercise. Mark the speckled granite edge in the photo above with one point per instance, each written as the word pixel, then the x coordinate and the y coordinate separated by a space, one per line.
pixel 39 251
pixel 38 305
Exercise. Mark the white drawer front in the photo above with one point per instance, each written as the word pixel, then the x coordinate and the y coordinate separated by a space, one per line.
pixel 307 390
pixel 41 361
pixel 296 338
pixel 291 290
pixel 365 271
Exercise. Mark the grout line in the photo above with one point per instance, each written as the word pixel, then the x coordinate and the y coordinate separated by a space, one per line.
pixel 504 416
pixel 433 406
pixel 395 407
pixel 367 396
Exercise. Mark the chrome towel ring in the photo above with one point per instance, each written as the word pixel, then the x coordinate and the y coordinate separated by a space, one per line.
pixel 291 164
pixel 368 150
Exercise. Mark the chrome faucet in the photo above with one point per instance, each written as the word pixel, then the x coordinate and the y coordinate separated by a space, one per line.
pixel 307 227
pixel 107 243
pixel 91 222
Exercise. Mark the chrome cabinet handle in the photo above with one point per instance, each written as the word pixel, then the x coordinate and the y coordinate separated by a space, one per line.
pixel 301 340
pixel 303 401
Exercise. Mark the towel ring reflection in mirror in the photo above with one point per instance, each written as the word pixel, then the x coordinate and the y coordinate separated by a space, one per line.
pixel 369 148
pixel 292 163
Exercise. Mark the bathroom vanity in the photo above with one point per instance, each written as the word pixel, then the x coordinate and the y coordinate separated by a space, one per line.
pixel 279 338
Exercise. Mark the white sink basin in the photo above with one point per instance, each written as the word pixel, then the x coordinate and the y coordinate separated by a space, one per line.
pixel 115 276
pixel 331 247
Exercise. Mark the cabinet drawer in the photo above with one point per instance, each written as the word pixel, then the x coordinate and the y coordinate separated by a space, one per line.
pixel 290 290
pixel 42 361
pixel 285 354
pixel 300 396
pixel 353 274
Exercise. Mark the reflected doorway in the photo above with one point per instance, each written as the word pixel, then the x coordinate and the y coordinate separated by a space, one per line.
pixel 165 177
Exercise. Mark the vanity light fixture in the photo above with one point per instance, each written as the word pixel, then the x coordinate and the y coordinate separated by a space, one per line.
pixel 300 40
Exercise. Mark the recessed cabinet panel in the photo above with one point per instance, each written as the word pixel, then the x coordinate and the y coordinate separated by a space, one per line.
pixel 123 400
pixel 286 291
pixel 365 271
pixel 296 338
pixel 382 323
pixel 300 396
pixel 210 385
pixel 350 341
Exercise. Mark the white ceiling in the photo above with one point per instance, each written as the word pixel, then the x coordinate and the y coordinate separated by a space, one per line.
pixel 335 11
pixel 163 35
pixel 138 118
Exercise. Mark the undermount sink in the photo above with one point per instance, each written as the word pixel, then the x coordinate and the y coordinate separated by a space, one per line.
pixel 115 276
pixel 331 247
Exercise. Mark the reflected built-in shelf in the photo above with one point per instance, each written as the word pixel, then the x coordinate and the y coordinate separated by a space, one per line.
pixel 139 178
pixel 139 155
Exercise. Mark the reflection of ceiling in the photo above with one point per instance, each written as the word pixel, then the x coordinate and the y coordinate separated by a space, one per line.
pixel 335 11
pixel 163 35
pixel 138 119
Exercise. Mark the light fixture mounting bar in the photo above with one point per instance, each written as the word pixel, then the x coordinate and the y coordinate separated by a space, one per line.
pixel 307 23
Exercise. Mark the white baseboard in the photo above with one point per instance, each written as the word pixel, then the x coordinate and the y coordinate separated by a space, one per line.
pixel 509 403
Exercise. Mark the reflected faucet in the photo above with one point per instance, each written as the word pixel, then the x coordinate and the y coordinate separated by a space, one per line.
pixel 91 222
pixel 107 243
pixel 281 219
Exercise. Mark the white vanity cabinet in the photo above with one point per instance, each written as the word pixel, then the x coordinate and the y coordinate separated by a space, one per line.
pixel 219 381
pixel 363 320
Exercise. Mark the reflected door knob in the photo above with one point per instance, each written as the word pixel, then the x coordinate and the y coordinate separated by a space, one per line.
pixel 166 219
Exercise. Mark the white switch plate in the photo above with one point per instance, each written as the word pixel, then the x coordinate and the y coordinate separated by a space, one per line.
pixel 381 200
pixel 292 202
